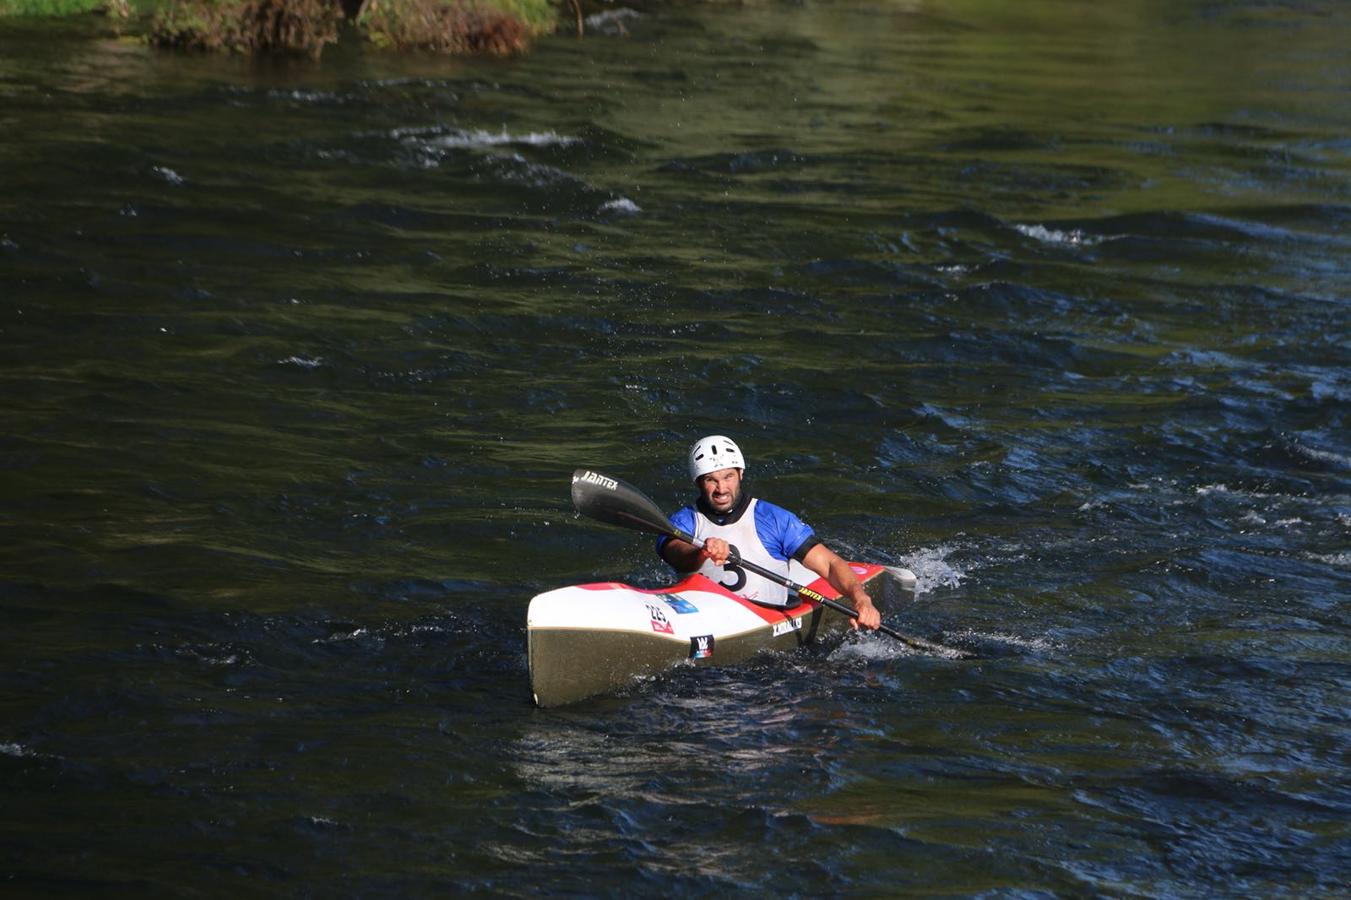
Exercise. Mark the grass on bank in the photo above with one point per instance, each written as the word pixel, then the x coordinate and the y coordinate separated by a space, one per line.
pixel 500 27
pixel 305 27
pixel 50 7
pixel 301 27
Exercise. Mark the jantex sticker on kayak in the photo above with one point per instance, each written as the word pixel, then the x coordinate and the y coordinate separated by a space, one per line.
pixel 787 625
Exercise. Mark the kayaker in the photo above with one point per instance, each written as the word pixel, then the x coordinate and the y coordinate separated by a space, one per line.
pixel 725 515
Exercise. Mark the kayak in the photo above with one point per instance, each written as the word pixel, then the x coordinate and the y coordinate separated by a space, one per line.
pixel 590 639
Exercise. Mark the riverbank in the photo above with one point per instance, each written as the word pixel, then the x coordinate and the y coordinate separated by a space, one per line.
pixel 306 27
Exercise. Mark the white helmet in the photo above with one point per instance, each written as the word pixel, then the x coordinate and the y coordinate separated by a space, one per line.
pixel 714 453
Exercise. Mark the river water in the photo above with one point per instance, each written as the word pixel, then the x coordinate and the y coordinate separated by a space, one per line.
pixel 1045 301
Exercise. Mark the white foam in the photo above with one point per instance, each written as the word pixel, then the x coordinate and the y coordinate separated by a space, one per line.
pixel 611 17
pixel 306 96
pixel 227 659
pixel 338 636
pixel 878 648
pixel 1073 238
pixel 1013 640
pixel 167 174
pixel 932 570
pixel 622 206
pixel 18 750
pixel 871 646
pixel 1206 490
pixel 458 138
pixel 303 362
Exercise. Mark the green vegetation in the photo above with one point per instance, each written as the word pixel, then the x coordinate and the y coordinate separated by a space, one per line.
pixel 305 27
pixel 50 7
pixel 299 27
pixel 500 28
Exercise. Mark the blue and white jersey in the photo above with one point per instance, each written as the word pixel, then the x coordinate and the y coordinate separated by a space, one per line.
pixel 764 534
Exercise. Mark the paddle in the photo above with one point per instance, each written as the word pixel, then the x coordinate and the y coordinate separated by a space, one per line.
pixel 616 502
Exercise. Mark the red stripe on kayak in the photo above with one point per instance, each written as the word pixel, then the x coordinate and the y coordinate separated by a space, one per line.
pixel 697 582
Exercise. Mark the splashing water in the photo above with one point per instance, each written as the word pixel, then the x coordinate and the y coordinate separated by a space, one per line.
pixel 932 570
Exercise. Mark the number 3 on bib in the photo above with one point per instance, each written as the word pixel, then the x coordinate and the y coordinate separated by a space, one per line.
pixel 738 578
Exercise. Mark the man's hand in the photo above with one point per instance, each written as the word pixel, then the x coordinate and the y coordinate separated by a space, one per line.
pixel 717 550
pixel 868 616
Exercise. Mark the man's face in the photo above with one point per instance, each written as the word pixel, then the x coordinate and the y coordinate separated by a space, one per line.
pixel 721 488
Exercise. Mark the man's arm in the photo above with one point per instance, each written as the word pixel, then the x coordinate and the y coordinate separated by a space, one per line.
pixel 824 562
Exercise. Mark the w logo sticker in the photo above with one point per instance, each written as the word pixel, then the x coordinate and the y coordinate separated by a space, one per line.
pixel 701 647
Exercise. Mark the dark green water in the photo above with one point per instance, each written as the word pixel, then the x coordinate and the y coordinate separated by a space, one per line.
pixel 1046 301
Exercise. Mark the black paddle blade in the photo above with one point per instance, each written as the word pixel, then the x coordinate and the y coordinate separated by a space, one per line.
pixel 616 502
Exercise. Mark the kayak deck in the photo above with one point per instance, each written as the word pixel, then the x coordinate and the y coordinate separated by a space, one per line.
pixel 591 639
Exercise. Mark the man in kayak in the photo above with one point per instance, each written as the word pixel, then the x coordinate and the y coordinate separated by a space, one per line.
pixel 724 516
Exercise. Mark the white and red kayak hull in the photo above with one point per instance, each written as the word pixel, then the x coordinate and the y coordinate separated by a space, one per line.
pixel 593 638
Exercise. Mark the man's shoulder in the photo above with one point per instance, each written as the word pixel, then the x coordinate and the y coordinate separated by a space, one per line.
pixel 772 512
pixel 782 529
pixel 683 516
pixel 776 509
